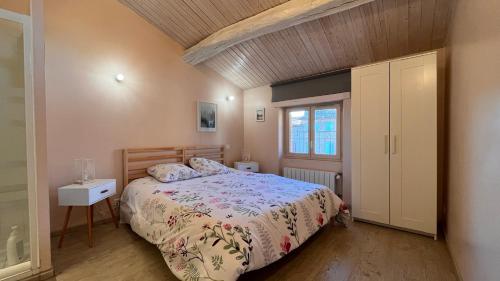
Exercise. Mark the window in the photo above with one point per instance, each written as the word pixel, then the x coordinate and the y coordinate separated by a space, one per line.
pixel 313 132
pixel 299 131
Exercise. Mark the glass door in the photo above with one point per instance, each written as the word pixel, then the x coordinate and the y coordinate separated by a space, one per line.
pixel 18 235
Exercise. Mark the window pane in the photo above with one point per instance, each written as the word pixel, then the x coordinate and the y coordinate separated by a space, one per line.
pixel 325 131
pixel 299 131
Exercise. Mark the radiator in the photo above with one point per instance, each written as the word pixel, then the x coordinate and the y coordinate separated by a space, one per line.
pixel 313 176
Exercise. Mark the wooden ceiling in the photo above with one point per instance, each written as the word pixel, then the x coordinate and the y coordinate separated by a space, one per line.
pixel 190 21
pixel 376 31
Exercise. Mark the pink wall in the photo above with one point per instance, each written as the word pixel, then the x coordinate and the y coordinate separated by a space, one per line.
pixel 91 115
pixel 18 6
pixel 473 221
pixel 264 139
pixel 261 138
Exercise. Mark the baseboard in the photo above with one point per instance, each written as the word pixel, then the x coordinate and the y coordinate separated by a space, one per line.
pixel 459 274
pixel 76 227
pixel 44 275
pixel 435 236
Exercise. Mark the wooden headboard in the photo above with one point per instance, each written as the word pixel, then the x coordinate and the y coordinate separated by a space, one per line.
pixel 137 160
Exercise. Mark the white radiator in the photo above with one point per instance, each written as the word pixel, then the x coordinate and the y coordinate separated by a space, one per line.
pixel 313 176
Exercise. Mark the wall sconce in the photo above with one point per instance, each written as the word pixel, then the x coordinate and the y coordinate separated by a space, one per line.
pixel 119 77
pixel 230 98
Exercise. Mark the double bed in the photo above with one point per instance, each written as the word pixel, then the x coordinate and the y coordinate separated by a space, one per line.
pixel 220 226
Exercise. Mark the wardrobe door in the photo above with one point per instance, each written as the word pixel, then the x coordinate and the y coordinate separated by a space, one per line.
pixel 413 162
pixel 370 142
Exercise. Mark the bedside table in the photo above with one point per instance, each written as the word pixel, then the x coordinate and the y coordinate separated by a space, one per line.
pixel 249 166
pixel 87 195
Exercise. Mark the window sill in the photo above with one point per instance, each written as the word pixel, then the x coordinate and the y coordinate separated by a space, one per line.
pixel 298 157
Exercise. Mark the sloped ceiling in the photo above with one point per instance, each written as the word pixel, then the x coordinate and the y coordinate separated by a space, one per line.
pixel 190 21
pixel 376 31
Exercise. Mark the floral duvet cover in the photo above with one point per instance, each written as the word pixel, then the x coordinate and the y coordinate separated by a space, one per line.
pixel 219 227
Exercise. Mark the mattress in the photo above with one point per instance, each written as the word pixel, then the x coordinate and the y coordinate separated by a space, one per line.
pixel 219 227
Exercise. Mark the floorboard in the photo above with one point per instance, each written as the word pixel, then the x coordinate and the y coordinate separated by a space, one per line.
pixel 359 252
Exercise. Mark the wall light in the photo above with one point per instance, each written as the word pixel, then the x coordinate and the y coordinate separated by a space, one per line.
pixel 230 98
pixel 120 77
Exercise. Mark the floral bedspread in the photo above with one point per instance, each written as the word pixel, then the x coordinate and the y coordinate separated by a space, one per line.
pixel 219 227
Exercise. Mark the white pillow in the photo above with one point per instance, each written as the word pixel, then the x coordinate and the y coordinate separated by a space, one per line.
pixel 207 167
pixel 172 172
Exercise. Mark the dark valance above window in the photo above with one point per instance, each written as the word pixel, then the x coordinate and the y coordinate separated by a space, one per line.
pixel 324 84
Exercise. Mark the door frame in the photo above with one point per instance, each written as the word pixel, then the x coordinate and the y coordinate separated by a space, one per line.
pixel 33 265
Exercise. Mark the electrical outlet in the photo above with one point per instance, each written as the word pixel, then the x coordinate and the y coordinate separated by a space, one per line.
pixel 116 203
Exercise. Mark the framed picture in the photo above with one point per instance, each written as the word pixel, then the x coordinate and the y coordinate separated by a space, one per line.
pixel 260 114
pixel 207 117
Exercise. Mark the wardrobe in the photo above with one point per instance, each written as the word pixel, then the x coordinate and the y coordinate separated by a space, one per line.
pixel 395 134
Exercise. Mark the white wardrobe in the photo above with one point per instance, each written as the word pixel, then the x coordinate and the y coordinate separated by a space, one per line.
pixel 394 119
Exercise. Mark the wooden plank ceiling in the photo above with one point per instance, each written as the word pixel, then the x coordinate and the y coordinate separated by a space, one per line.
pixel 190 21
pixel 376 31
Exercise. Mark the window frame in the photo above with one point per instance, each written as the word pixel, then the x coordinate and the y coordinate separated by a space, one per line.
pixel 312 155
pixel 287 130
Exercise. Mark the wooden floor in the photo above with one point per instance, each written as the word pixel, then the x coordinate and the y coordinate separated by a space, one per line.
pixel 360 252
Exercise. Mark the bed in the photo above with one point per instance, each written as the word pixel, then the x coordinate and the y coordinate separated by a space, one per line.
pixel 219 227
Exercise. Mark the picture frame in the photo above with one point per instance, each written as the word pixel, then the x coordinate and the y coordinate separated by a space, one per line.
pixel 206 116
pixel 260 114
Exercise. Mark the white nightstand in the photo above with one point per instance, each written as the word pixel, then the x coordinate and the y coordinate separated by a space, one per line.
pixel 249 166
pixel 87 195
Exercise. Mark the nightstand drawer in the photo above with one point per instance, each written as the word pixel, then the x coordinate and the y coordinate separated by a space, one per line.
pixel 101 192
pixel 247 166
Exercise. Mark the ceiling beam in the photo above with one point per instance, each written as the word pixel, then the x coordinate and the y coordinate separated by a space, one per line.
pixel 280 17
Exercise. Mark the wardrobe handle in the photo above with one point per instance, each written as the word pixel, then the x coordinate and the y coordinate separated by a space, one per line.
pixel 386 139
pixel 394 145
